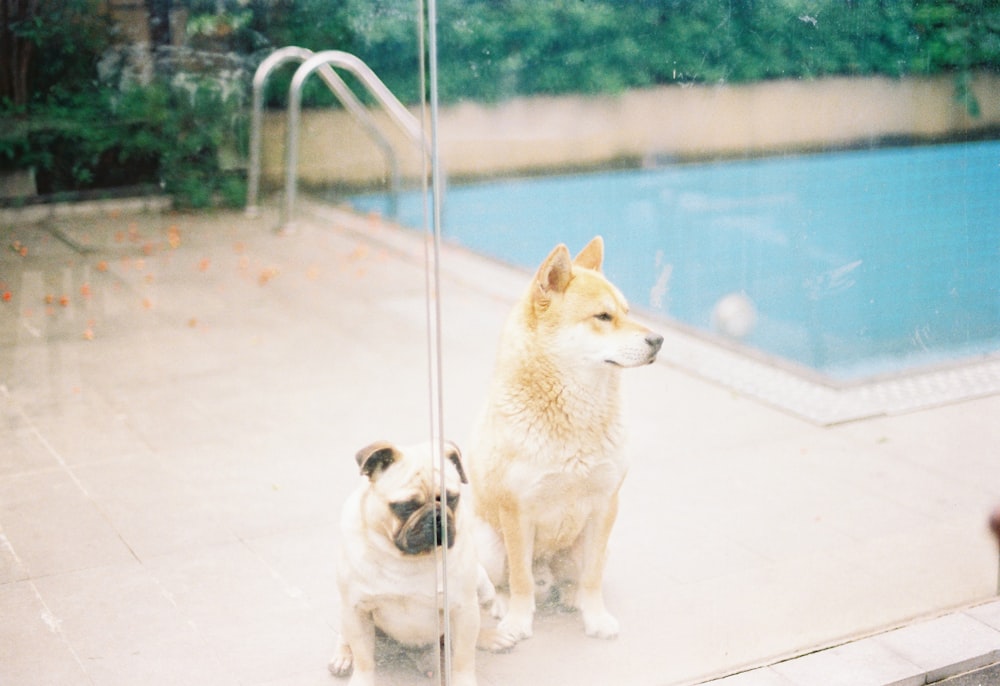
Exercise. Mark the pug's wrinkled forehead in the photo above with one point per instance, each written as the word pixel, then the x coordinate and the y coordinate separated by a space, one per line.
pixel 393 468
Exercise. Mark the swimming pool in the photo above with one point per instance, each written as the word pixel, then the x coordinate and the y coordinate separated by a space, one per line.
pixel 852 264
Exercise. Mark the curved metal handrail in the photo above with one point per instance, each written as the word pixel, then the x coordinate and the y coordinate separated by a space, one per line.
pixel 339 89
pixel 337 58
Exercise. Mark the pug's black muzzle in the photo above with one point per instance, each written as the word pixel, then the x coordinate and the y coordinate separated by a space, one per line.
pixel 424 530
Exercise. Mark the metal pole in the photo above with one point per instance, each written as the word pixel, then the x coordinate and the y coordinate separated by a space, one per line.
pixel 292 150
pixel 253 177
pixel 434 321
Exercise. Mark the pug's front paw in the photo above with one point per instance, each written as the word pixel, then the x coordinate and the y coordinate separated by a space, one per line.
pixel 342 664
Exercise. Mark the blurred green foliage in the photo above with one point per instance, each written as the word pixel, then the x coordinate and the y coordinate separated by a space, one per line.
pixel 489 50
pixel 162 133
pixel 495 49
pixel 83 129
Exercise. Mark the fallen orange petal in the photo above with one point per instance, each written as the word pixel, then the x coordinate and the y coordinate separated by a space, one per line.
pixel 267 275
pixel 7 296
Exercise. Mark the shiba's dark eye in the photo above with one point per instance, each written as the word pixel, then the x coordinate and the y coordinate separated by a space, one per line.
pixel 603 317
pixel 406 509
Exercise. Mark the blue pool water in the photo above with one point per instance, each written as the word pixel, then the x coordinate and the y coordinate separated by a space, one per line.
pixel 857 263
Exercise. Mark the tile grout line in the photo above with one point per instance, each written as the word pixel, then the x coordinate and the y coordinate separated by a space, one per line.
pixel 54 625
pixel 48 617
pixel 67 469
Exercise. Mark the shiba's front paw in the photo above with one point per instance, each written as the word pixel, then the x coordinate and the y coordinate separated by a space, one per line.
pixel 597 621
pixel 601 624
pixel 515 626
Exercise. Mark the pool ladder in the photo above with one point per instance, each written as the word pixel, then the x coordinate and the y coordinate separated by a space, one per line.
pixel 323 63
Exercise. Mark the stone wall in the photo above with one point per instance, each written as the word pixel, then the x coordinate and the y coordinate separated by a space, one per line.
pixel 531 135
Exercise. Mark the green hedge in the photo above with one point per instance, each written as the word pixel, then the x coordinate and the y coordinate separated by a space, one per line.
pixel 495 49
pixel 82 128
pixel 158 134
pixel 490 50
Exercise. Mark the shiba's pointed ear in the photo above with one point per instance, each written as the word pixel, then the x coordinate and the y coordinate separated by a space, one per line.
pixel 452 452
pixel 376 458
pixel 591 256
pixel 556 271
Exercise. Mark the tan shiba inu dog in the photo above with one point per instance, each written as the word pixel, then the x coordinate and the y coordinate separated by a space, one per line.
pixel 546 463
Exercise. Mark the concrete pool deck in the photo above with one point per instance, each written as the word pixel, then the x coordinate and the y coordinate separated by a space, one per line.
pixel 182 395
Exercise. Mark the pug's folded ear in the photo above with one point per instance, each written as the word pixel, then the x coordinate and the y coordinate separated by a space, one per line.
pixel 376 458
pixel 452 452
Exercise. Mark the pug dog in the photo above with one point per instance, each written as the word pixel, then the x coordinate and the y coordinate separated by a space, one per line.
pixel 390 571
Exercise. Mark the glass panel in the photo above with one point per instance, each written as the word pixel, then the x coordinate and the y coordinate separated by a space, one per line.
pixel 800 198
pixel 241 323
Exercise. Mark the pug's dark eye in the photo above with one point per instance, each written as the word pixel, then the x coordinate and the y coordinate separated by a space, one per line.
pixel 406 509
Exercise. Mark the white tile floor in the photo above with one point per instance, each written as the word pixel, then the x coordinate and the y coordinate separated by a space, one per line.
pixel 176 440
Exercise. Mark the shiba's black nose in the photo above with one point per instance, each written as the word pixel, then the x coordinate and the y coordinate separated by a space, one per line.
pixel 654 340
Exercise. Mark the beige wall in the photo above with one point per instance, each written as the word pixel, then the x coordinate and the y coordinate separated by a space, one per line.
pixel 542 133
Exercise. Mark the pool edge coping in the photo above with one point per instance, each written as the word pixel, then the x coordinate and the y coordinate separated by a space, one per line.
pixel 800 393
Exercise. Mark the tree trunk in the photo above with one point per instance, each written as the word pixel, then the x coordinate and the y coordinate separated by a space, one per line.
pixel 15 50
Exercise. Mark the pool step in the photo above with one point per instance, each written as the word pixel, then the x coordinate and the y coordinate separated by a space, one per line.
pixel 957 649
